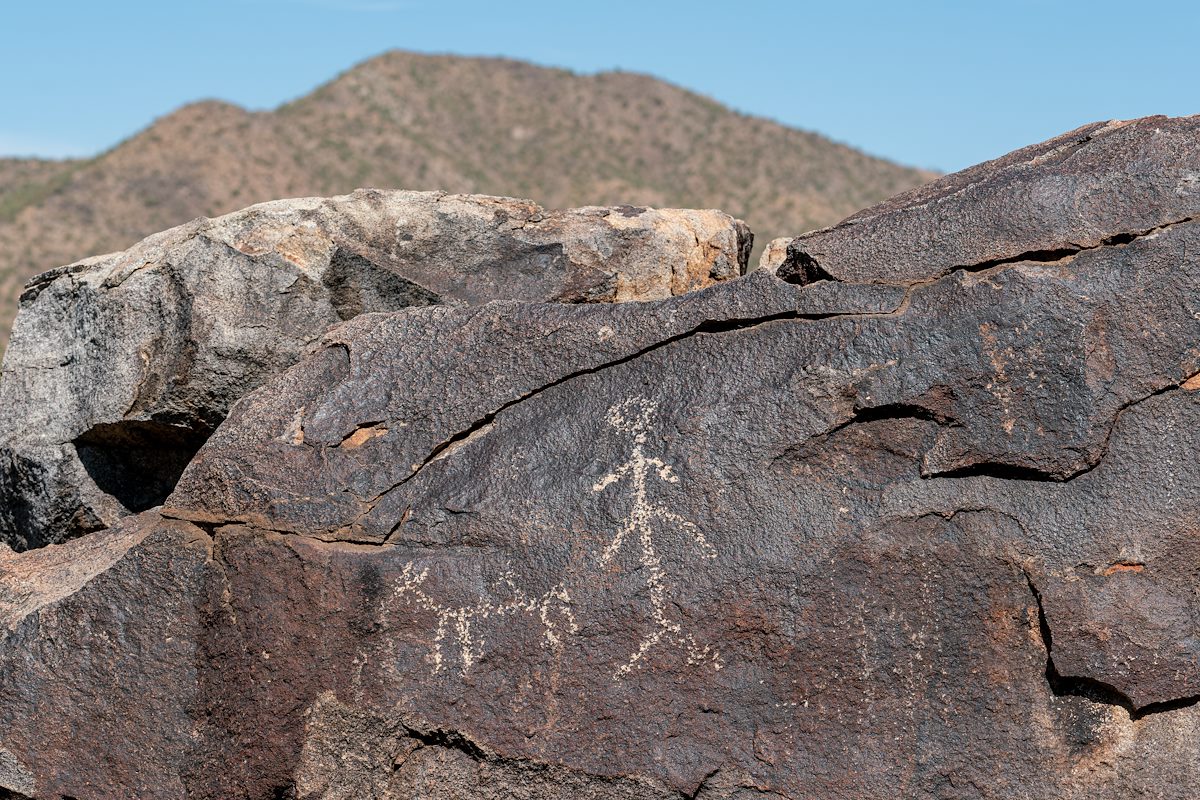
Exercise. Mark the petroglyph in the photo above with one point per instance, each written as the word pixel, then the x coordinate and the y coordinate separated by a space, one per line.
pixel 460 632
pixel 460 629
pixel 633 416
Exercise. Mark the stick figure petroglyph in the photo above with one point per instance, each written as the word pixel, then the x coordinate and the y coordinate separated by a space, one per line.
pixel 633 416
pixel 460 629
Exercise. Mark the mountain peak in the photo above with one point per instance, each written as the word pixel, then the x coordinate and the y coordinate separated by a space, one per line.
pixel 462 124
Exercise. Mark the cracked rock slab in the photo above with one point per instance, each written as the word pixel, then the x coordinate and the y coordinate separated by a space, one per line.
pixel 758 558
pixel 1019 373
pixel 120 366
pixel 1077 191
pixel 911 538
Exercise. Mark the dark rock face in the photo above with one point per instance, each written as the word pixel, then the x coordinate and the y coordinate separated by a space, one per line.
pixel 928 536
pixel 99 672
pixel 1103 184
pixel 165 337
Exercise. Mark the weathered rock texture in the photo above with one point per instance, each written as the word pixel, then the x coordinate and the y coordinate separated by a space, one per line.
pixel 932 535
pixel 774 255
pixel 1103 184
pixel 121 366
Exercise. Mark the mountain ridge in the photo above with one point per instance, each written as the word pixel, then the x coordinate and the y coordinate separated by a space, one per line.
pixel 459 124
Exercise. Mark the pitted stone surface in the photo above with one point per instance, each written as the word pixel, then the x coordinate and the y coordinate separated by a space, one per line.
pixel 921 537
pixel 1097 185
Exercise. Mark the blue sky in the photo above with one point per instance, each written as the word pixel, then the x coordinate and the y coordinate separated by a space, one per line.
pixel 934 84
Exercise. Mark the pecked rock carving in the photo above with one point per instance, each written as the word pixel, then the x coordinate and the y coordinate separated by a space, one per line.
pixel 463 624
pixel 634 416
pixel 899 522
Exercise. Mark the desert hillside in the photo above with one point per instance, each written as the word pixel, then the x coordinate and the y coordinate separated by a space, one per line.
pixel 412 121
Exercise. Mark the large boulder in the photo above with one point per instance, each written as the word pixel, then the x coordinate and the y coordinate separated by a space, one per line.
pixel 932 535
pixel 120 366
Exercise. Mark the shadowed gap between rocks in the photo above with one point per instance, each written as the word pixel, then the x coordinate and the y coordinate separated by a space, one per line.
pixel 988 469
pixel 138 462
pixel 451 740
pixel 891 411
pixel 801 269
pixel 1058 254
pixel 1014 472
pixel 1092 689
pixel 1008 472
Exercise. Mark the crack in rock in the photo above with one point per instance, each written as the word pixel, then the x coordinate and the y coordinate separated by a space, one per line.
pixel 1016 472
pixel 1090 688
pixel 1068 253
pixel 802 268
pixel 708 327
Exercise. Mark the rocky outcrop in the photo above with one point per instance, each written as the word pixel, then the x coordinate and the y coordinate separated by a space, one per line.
pixel 929 535
pixel 101 663
pixel 121 366
pixel 1103 184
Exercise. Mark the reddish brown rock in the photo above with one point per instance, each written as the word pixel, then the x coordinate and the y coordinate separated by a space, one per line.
pixel 101 662
pixel 923 537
